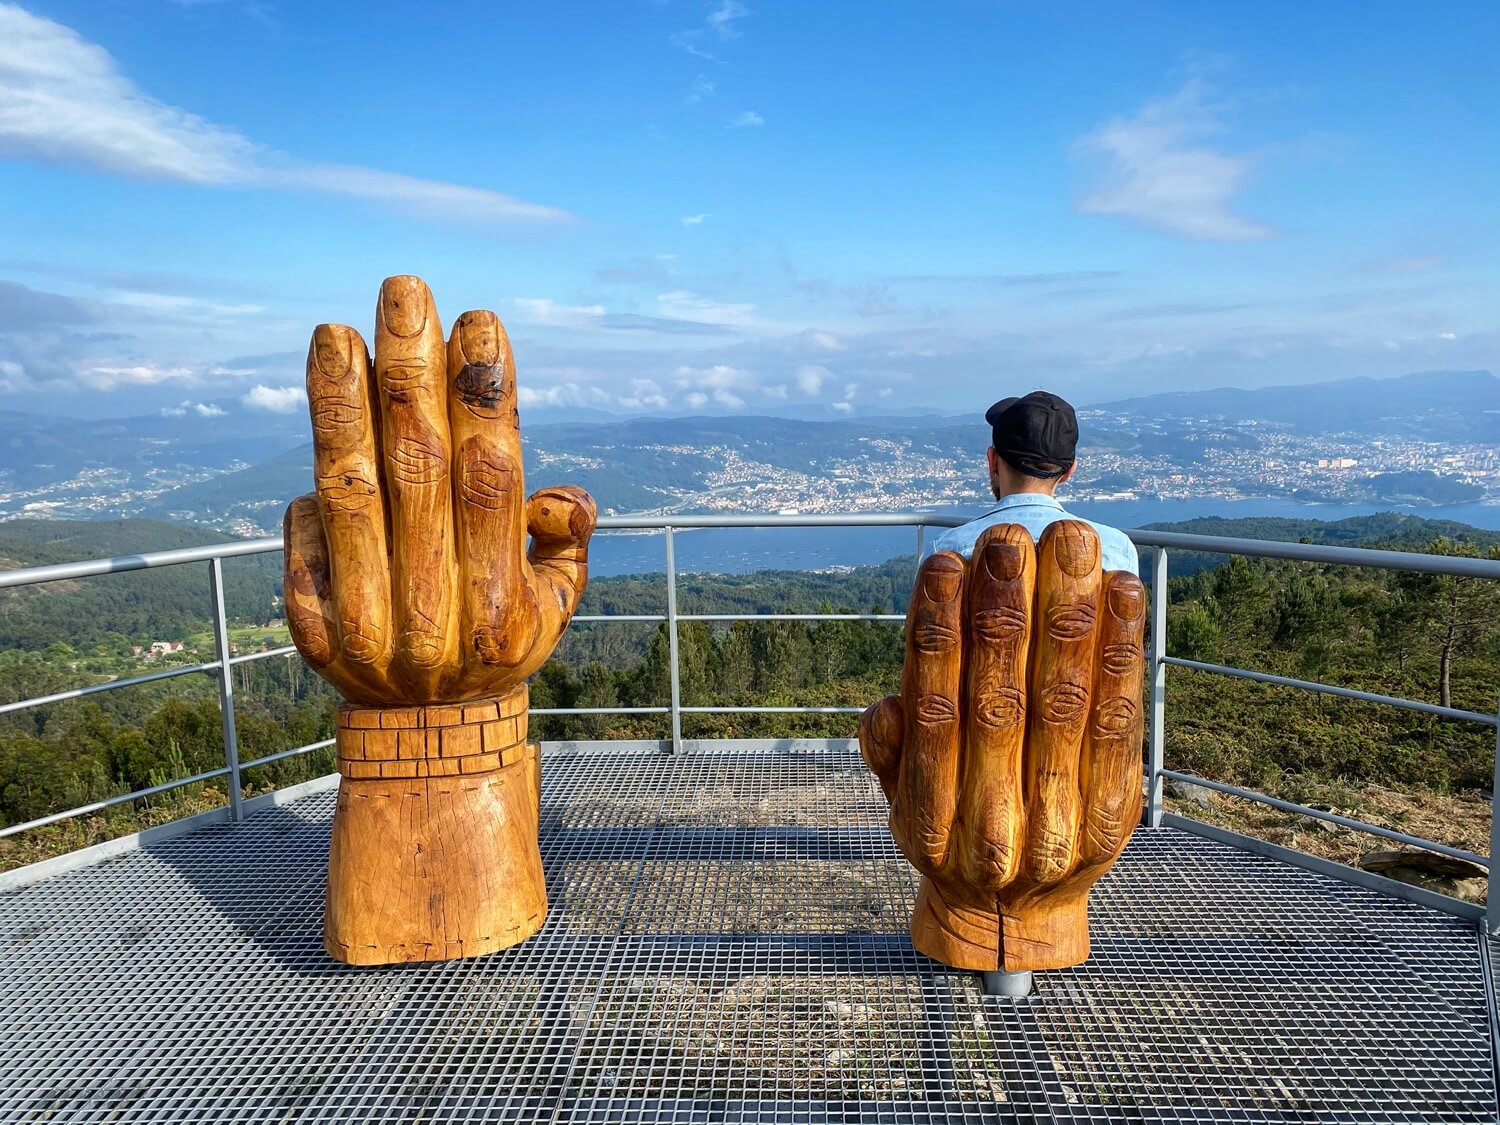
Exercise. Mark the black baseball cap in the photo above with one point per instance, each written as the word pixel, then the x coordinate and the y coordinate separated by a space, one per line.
pixel 1036 433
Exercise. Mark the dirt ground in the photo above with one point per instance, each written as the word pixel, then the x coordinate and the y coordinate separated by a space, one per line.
pixel 1460 820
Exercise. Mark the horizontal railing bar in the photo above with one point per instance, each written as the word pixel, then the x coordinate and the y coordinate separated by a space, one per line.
pixel 772 710
pixel 754 519
pixel 600 711
pixel 95 689
pixel 175 783
pixel 1143 537
pixel 698 710
pixel 1330 689
pixel 589 618
pixel 292 753
pixel 284 650
pixel 57 572
pixel 1343 872
pixel 1457 565
pixel 791 617
pixel 1332 818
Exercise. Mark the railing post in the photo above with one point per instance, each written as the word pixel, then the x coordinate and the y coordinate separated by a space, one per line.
pixel 1491 896
pixel 226 688
pixel 1157 753
pixel 921 527
pixel 672 642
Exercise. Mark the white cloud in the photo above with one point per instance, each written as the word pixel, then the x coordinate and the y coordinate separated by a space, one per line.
pixel 810 378
pixel 728 386
pixel 544 310
pixel 748 118
pixel 720 23
pixel 827 341
pixel 722 18
pixel 682 305
pixel 1160 173
pixel 646 394
pixel 700 90
pixel 428 197
pixel 64 101
pixel 278 400
pixel 688 41
pixel 693 220
pixel 13 377
pixel 180 307
pixel 106 377
pixel 202 409
pixel 843 407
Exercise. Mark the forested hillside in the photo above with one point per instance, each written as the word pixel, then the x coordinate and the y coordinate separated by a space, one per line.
pixel 167 604
pixel 1408 635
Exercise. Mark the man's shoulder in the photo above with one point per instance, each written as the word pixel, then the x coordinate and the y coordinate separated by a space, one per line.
pixel 1115 545
pixel 1117 550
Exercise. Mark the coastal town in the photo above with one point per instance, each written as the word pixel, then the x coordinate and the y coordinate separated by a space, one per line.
pixel 891 467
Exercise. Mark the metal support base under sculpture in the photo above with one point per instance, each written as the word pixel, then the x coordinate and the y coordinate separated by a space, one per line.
pixel 1015 986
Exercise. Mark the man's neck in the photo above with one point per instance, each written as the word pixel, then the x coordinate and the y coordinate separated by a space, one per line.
pixel 1029 488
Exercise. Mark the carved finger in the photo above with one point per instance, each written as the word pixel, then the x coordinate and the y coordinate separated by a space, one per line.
pixel 497 607
pixel 880 732
pixel 561 521
pixel 1062 677
pixel 1112 748
pixel 340 398
pixel 309 608
pixel 410 368
pixel 927 795
pixel 1002 584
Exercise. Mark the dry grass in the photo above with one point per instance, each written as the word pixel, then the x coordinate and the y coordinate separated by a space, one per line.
pixel 1460 820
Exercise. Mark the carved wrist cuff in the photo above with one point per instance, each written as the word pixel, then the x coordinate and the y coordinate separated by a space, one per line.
pixel 432 740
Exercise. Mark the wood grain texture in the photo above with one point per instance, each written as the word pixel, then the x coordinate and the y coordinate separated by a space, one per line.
pixel 410 587
pixel 434 851
pixel 409 578
pixel 1045 739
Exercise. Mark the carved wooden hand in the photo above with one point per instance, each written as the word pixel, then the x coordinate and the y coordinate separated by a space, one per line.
pixel 1012 757
pixel 407 574
pixel 409 587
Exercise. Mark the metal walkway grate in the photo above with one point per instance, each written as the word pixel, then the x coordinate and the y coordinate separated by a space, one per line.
pixel 727 944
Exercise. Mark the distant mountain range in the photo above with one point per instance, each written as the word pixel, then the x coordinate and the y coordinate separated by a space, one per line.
pixel 1440 405
pixel 37 449
pixel 208 464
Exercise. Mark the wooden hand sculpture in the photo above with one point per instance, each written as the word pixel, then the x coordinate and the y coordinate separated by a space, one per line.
pixel 1011 760
pixel 409 588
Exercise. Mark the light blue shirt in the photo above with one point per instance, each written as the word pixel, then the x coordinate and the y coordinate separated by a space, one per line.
pixel 1035 511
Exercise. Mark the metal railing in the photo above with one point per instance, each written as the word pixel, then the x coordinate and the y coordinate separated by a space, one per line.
pixel 1160 542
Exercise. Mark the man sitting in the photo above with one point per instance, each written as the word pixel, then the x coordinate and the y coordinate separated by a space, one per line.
pixel 1033 443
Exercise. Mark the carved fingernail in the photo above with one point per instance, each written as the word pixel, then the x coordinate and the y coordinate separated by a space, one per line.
pixel 479 336
pixel 424 650
pixel 333 351
pixel 403 305
pixel 1076 549
pixel 1127 601
pixel 943 579
pixel 1003 561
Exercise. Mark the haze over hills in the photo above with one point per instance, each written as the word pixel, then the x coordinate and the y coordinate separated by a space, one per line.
pixel 1435 405
pixel 1422 439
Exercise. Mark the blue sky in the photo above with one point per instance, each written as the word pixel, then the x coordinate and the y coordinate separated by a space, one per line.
pixel 746 207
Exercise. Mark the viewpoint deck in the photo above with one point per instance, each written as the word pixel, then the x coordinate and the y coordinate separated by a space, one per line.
pixel 727 943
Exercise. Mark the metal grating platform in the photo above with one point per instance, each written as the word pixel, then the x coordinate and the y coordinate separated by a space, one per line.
pixel 727 944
